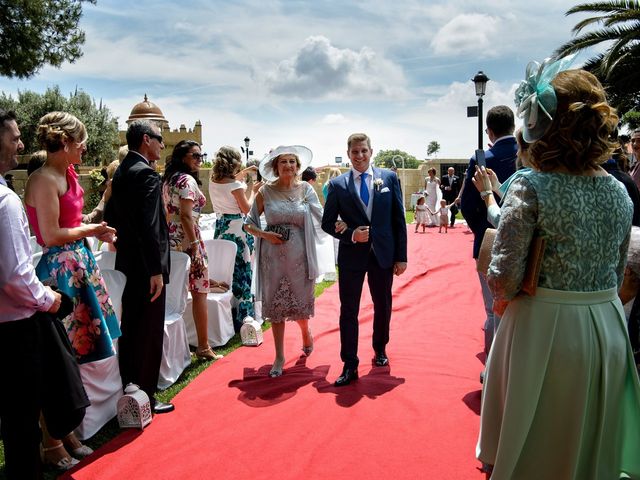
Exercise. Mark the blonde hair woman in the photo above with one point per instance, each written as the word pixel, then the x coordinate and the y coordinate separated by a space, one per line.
pixel 230 204
pixel 54 201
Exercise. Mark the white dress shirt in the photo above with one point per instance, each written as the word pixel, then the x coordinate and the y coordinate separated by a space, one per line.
pixel 21 293
pixel 358 181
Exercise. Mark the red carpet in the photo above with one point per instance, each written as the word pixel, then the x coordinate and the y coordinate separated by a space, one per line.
pixel 417 419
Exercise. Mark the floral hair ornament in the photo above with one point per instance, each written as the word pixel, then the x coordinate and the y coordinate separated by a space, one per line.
pixel 535 97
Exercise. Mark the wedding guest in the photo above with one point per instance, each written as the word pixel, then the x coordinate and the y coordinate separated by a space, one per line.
pixel 501 158
pixel 450 186
pixel 285 250
pixel 230 204
pixel 184 202
pixel 54 201
pixel 22 298
pixel 561 396
pixel 374 243
pixel 486 180
pixel 333 173
pixel 137 211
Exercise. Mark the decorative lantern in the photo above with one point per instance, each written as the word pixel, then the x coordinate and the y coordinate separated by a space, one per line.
pixel 250 332
pixel 134 408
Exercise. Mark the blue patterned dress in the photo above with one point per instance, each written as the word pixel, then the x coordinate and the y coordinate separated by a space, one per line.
pixel 561 396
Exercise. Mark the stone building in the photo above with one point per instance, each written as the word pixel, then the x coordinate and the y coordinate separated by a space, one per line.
pixel 147 110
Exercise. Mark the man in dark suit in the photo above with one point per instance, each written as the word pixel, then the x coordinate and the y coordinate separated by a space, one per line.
pixel 501 158
pixel 375 243
pixel 450 185
pixel 137 210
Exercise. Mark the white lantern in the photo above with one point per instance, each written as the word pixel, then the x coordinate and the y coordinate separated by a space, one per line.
pixel 250 332
pixel 134 408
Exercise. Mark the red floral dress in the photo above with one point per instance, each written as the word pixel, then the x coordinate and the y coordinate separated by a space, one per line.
pixel 184 186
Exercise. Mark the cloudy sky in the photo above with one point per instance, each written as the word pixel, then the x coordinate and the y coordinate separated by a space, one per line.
pixel 311 72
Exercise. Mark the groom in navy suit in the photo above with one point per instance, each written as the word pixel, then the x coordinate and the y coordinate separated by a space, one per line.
pixel 369 201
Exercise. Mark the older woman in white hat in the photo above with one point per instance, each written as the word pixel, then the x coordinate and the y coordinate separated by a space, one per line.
pixel 285 249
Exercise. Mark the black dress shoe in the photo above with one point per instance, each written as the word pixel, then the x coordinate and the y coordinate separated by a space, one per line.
pixel 348 375
pixel 161 407
pixel 381 359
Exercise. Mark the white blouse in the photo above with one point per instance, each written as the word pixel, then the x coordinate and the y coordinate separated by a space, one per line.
pixel 222 199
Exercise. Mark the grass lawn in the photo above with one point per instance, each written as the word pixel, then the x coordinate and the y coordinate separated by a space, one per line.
pixel 111 429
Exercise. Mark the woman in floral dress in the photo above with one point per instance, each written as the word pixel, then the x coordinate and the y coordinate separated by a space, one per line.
pixel 54 201
pixel 230 204
pixel 184 201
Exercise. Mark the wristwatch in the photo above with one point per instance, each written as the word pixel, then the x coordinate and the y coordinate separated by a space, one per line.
pixel 486 193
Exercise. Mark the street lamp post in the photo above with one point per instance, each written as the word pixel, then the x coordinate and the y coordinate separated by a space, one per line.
pixel 246 144
pixel 480 82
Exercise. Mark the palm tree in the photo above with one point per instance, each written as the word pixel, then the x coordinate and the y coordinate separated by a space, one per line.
pixel 620 21
pixel 618 67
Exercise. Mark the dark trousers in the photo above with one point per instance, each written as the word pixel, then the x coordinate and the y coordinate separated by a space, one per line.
pixel 350 282
pixel 454 212
pixel 140 346
pixel 21 370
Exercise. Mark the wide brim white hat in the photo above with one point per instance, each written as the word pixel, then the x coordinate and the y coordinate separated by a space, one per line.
pixel 303 153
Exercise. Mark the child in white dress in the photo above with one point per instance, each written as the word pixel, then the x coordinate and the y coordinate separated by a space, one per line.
pixel 443 213
pixel 421 214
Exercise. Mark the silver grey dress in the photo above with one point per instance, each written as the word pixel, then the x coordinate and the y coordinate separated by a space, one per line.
pixel 287 290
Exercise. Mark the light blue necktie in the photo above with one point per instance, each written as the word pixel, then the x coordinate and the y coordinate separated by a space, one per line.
pixel 364 190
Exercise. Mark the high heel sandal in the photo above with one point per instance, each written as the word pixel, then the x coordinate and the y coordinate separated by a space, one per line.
pixel 307 350
pixel 276 371
pixel 81 452
pixel 64 464
pixel 208 354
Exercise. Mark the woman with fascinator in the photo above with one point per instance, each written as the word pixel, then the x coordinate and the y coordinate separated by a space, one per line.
pixel 285 249
pixel 561 396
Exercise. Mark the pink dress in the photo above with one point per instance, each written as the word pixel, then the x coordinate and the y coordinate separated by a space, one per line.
pixel 71 267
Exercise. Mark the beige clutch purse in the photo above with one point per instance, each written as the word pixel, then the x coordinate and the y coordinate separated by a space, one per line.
pixel 534 260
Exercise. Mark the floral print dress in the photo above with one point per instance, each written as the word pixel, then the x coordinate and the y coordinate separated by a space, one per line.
pixel 93 325
pixel 184 186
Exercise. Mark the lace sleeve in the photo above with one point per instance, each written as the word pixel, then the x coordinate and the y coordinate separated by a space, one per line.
pixel 628 254
pixel 518 220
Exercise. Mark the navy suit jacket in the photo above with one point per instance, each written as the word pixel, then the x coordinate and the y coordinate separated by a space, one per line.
pixel 136 211
pixel 387 227
pixel 501 158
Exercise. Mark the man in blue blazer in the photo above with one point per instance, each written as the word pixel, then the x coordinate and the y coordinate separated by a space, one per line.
pixel 501 158
pixel 369 201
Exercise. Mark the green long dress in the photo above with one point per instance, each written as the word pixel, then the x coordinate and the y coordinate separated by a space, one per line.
pixel 561 397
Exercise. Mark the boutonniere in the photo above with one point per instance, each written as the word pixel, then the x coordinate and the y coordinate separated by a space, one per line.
pixel 377 183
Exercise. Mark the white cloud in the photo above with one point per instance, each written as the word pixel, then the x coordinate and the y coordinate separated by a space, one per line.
pixel 466 34
pixel 320 70
pixel 334 119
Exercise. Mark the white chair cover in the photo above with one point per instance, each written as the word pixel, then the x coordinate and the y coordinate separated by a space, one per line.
pixel 101 379
pixel 105 260
pixel 35 258
pixel 102 382
pixel 115 281
pixel 176 355
pixel 222 255
pixel 35 247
